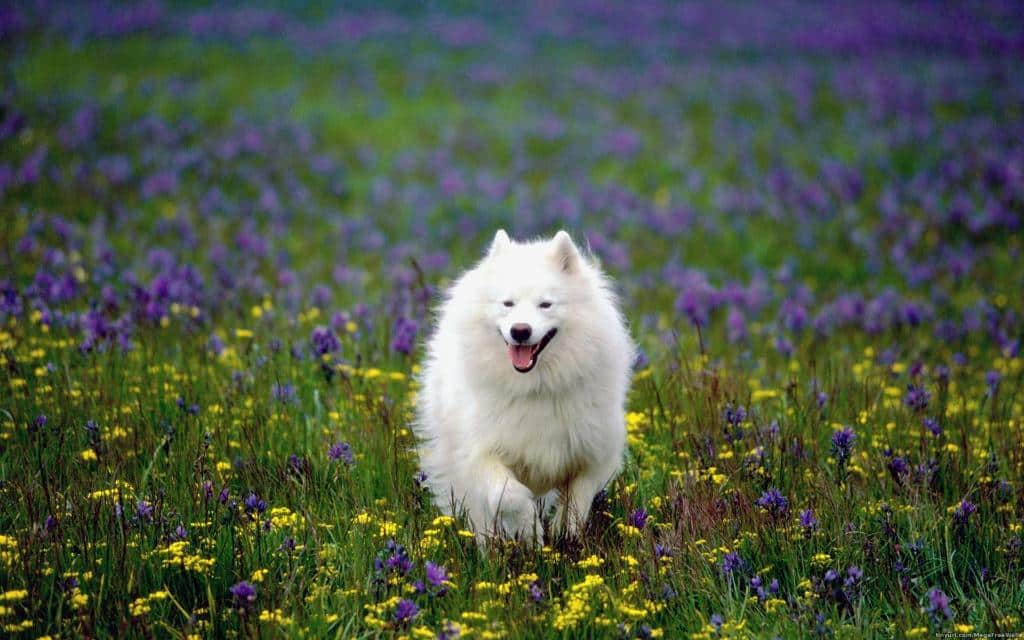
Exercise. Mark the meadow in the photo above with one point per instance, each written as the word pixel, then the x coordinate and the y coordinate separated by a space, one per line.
pixel 224 231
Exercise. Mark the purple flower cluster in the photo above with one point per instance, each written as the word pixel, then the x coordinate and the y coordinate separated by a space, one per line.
pixel 732 563
pixel 762 592
pixel 405 611
pixel 341 452
pixel 842 445
pixel 938 604
pixel 393 559
pixel 324 341
pixel 436 578
pixel 403 336
pixel 917 398
pixel 808 522
pixel 254 505
pixel 776 504
pixel 963 512
pixel 638 518
pixel 244 595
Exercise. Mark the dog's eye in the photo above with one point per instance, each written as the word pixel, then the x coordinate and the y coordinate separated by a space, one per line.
pixel 508 303
pixel 545 305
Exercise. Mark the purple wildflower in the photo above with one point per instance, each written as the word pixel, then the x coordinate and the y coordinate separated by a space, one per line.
pixel 917 398
pixel 244 594
pixel 403 336
pixel 938 603
pixel 735 416
pixel 808 522
pixel 144 510
pixel 932 425
pixel 638 518
pixel 420 479
pixel 757 584
pixel 784 346
pixel 405 611
pixel 736 325
pixel 853 576
pixel 341 452
pixel 992 380
pixel 394 559
pixel 717 621
pixel 694 302
pixel 821 399
pixel 283 393
pixel 774 503
pixel 436 574
pixel 215 344
pixel 536 593
pixel 732 562
pixel 898 469
pixel 324 341
pixel 254 504
pixel 295 463
pixel 963 512
pixel 842 445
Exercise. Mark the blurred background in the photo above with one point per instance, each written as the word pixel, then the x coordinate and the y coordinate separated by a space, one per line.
pixel 820 158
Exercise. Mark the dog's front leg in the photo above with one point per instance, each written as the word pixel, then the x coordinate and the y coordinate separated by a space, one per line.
pixel 574 506
pixel 504 506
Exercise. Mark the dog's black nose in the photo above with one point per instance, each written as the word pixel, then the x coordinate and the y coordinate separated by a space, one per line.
pixel 520 332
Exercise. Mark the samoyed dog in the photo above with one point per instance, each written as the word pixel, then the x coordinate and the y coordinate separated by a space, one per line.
pixel 521 407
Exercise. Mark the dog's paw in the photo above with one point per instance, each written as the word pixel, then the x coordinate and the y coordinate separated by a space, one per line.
pixel 565 523
pixel 515 510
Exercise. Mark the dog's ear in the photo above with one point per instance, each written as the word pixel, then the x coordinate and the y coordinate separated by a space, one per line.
pixel 500 244
pixel 565 252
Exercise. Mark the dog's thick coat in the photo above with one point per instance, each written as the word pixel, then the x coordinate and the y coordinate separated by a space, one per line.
pixel 510 423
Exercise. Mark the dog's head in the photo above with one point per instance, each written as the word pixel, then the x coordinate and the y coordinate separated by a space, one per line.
pixel 530 290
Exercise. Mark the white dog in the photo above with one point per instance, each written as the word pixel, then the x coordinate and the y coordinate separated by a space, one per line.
pixel 523 390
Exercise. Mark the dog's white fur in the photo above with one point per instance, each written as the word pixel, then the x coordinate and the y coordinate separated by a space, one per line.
pixel 503 445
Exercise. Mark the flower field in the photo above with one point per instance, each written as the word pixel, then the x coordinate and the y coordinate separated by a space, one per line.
pixel 224 231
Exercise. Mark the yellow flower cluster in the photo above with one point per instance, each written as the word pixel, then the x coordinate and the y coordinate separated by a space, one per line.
pixel 121 489
pixel 177 554
pixel 275 617
pixel 14 595
pixel 283 517
pixel 385 528
pixel 729 629
pixel 579 602
pixel 142 606
pixel 17 627
pixel 8 550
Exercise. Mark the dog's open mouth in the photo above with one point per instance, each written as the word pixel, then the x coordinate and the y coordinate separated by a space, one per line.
pixel 524 356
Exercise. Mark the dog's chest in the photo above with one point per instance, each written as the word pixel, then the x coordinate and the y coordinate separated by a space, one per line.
pixel 547 443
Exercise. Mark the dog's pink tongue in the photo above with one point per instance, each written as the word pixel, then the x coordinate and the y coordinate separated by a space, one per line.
pixel 521 355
